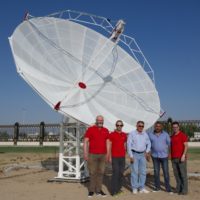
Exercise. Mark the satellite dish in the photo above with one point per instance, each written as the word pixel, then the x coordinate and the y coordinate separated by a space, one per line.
pixel 82 73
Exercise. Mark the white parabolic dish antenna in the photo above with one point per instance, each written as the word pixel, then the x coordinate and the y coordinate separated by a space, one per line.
pixel 82 73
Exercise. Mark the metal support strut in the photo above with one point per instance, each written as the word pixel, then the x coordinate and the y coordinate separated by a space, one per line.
pixel 71 163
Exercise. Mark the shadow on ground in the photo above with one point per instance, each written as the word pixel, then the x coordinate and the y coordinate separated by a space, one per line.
pixel 126 181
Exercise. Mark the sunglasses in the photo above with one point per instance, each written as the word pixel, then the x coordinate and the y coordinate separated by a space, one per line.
pixel 140 126
pixel 119 125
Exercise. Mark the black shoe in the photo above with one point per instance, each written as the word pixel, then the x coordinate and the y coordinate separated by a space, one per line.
pixel 182 193
pixel 101 193
pixel 177 191
pixel 113 193
pixel 90 194
pixel 156 190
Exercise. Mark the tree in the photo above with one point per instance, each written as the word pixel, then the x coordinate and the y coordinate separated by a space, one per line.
pixel 189 129
pixel 167 125
pixel 4 135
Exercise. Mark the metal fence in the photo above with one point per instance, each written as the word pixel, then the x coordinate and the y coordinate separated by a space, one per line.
pixel 36 132
pixel 50 132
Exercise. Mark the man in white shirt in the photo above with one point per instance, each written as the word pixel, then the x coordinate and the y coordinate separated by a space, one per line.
pixel 138 146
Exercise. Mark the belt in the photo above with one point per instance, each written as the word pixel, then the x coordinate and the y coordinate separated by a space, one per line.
pixel 137 151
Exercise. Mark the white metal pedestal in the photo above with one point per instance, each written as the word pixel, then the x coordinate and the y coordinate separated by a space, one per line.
pixel 72 166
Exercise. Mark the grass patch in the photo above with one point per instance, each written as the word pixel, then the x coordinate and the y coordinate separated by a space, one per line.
pixel 194 150
pixel 194 153
pixel 20 149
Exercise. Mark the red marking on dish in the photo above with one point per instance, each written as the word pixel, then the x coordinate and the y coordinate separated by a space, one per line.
pixel 82 85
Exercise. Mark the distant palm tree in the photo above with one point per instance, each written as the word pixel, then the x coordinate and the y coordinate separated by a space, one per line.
pixel 168 126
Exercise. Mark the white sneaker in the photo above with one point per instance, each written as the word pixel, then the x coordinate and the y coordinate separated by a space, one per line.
pixel 135 191
pixel 144 191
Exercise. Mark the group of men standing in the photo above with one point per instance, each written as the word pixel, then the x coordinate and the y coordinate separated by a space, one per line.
pixel 100 147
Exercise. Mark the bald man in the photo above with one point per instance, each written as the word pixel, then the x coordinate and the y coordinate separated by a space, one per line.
pixel 96 152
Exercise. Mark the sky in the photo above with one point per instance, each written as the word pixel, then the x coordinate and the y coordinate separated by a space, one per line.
pixel 167 31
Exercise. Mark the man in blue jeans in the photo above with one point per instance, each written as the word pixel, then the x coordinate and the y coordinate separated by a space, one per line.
pixel 160 143
pixel 138 146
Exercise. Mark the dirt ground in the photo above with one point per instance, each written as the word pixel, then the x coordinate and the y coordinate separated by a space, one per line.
pixel 32 183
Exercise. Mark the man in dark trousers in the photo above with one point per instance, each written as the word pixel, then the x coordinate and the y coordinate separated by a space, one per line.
pixel 179 147
pixel 160 144
pixel 117 153
pixel 95 152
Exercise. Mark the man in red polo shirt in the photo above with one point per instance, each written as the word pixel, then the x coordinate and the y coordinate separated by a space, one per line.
pixel 96 140
pixel 179 146
pixel 117 152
